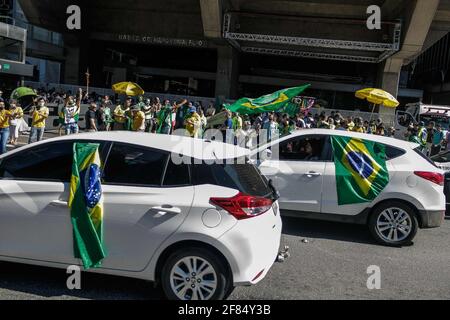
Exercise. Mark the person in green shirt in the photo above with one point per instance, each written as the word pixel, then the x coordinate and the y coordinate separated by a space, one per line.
pixel 165 116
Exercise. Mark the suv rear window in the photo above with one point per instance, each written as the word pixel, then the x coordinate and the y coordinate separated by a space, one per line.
pixel 244 177
pixel 393 152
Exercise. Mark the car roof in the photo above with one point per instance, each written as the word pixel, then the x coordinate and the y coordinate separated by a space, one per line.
pixel 186 146
pixel 371 137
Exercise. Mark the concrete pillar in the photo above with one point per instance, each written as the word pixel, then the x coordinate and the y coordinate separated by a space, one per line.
pixel 227 77
pixel 72 66
pixel 389 81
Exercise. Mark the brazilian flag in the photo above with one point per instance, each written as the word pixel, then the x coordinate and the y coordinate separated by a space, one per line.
pixel 361 172
pixel 62 117
pixel 86 205
pixel 268 103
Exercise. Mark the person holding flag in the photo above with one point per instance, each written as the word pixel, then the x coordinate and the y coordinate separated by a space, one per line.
pixel 165 124
pixel 193 123
pixel 71 113
pixel 121 115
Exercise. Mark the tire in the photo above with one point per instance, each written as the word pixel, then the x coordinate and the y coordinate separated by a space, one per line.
pixel 219 283
pixel 394 224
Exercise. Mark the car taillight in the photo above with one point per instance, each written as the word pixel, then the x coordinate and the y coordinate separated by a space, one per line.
pixel 243 206
pixel 431 176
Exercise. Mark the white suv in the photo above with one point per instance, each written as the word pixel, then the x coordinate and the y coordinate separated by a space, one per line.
pixel 199 228
pixel 413 197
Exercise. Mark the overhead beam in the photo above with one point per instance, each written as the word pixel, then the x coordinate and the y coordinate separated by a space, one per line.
pixel 391 9
pixel 304 8
pixel 212 18
pixel 442 15
pixel 417 29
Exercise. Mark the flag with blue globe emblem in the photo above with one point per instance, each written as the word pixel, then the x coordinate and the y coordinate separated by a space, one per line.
pixel 86 205
pixel 361 172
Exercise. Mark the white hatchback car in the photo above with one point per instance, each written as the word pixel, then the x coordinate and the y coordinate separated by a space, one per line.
pixel 413 198
pixel 198 228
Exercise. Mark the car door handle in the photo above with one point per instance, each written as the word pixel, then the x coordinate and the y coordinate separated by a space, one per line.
pixel 165 209
pixel 59 203
pixel 313 174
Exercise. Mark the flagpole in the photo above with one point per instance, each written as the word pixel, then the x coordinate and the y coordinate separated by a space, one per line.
pixel 88 75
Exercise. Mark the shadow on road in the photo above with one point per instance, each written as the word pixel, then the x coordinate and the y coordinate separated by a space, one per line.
pixel 315 229
pixel 51 283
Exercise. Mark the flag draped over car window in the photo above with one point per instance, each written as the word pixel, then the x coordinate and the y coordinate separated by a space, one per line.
pixel 268 103
pixel 86 205
pixel 361 172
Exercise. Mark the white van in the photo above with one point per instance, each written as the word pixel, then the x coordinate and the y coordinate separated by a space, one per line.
pixel 418 112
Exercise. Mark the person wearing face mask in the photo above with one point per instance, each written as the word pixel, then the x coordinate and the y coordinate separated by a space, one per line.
pixel 121 115
pixel 71 114
pixel 39 115
pixel 5 116
pixel 14 122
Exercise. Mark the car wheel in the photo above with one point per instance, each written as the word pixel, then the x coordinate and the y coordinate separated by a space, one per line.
pixel 393 224
pixel 195 274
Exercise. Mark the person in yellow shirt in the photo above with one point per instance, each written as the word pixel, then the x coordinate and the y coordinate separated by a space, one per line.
pixel 121 115
pixel 14 121
pixel 39 115
pixel 5 116
pixel 359 125
pixel 138 120
pixel 193 123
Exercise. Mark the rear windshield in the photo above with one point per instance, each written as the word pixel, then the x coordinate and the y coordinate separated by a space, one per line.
pixel 420 153
pixel 244 177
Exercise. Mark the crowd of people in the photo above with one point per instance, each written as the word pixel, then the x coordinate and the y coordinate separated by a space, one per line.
pixel 151 115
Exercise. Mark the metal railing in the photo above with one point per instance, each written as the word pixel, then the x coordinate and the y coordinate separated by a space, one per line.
pixel 388 119
pixel 105 91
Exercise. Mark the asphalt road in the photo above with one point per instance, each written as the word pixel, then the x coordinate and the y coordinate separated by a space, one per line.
pixel 332 264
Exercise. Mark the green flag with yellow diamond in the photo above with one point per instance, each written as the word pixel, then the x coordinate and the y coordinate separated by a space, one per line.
pixel 361 172
pixel 86 205
pixel 268 103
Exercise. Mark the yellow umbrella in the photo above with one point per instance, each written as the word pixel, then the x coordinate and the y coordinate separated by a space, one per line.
pixel 128 88
pixel 378 97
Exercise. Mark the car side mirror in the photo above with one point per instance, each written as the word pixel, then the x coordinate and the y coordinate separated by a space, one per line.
pixel 266 154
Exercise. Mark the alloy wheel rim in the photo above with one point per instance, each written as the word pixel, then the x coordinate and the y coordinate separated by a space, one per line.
pixel 394 225
pixel 193 278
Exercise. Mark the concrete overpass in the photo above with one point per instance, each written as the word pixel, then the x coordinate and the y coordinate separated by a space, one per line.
pixel 315 30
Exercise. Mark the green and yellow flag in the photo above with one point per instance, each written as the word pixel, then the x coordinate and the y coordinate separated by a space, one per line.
pixel 62 115
pixel 268 103
pixel 361 172
pixel 86 205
